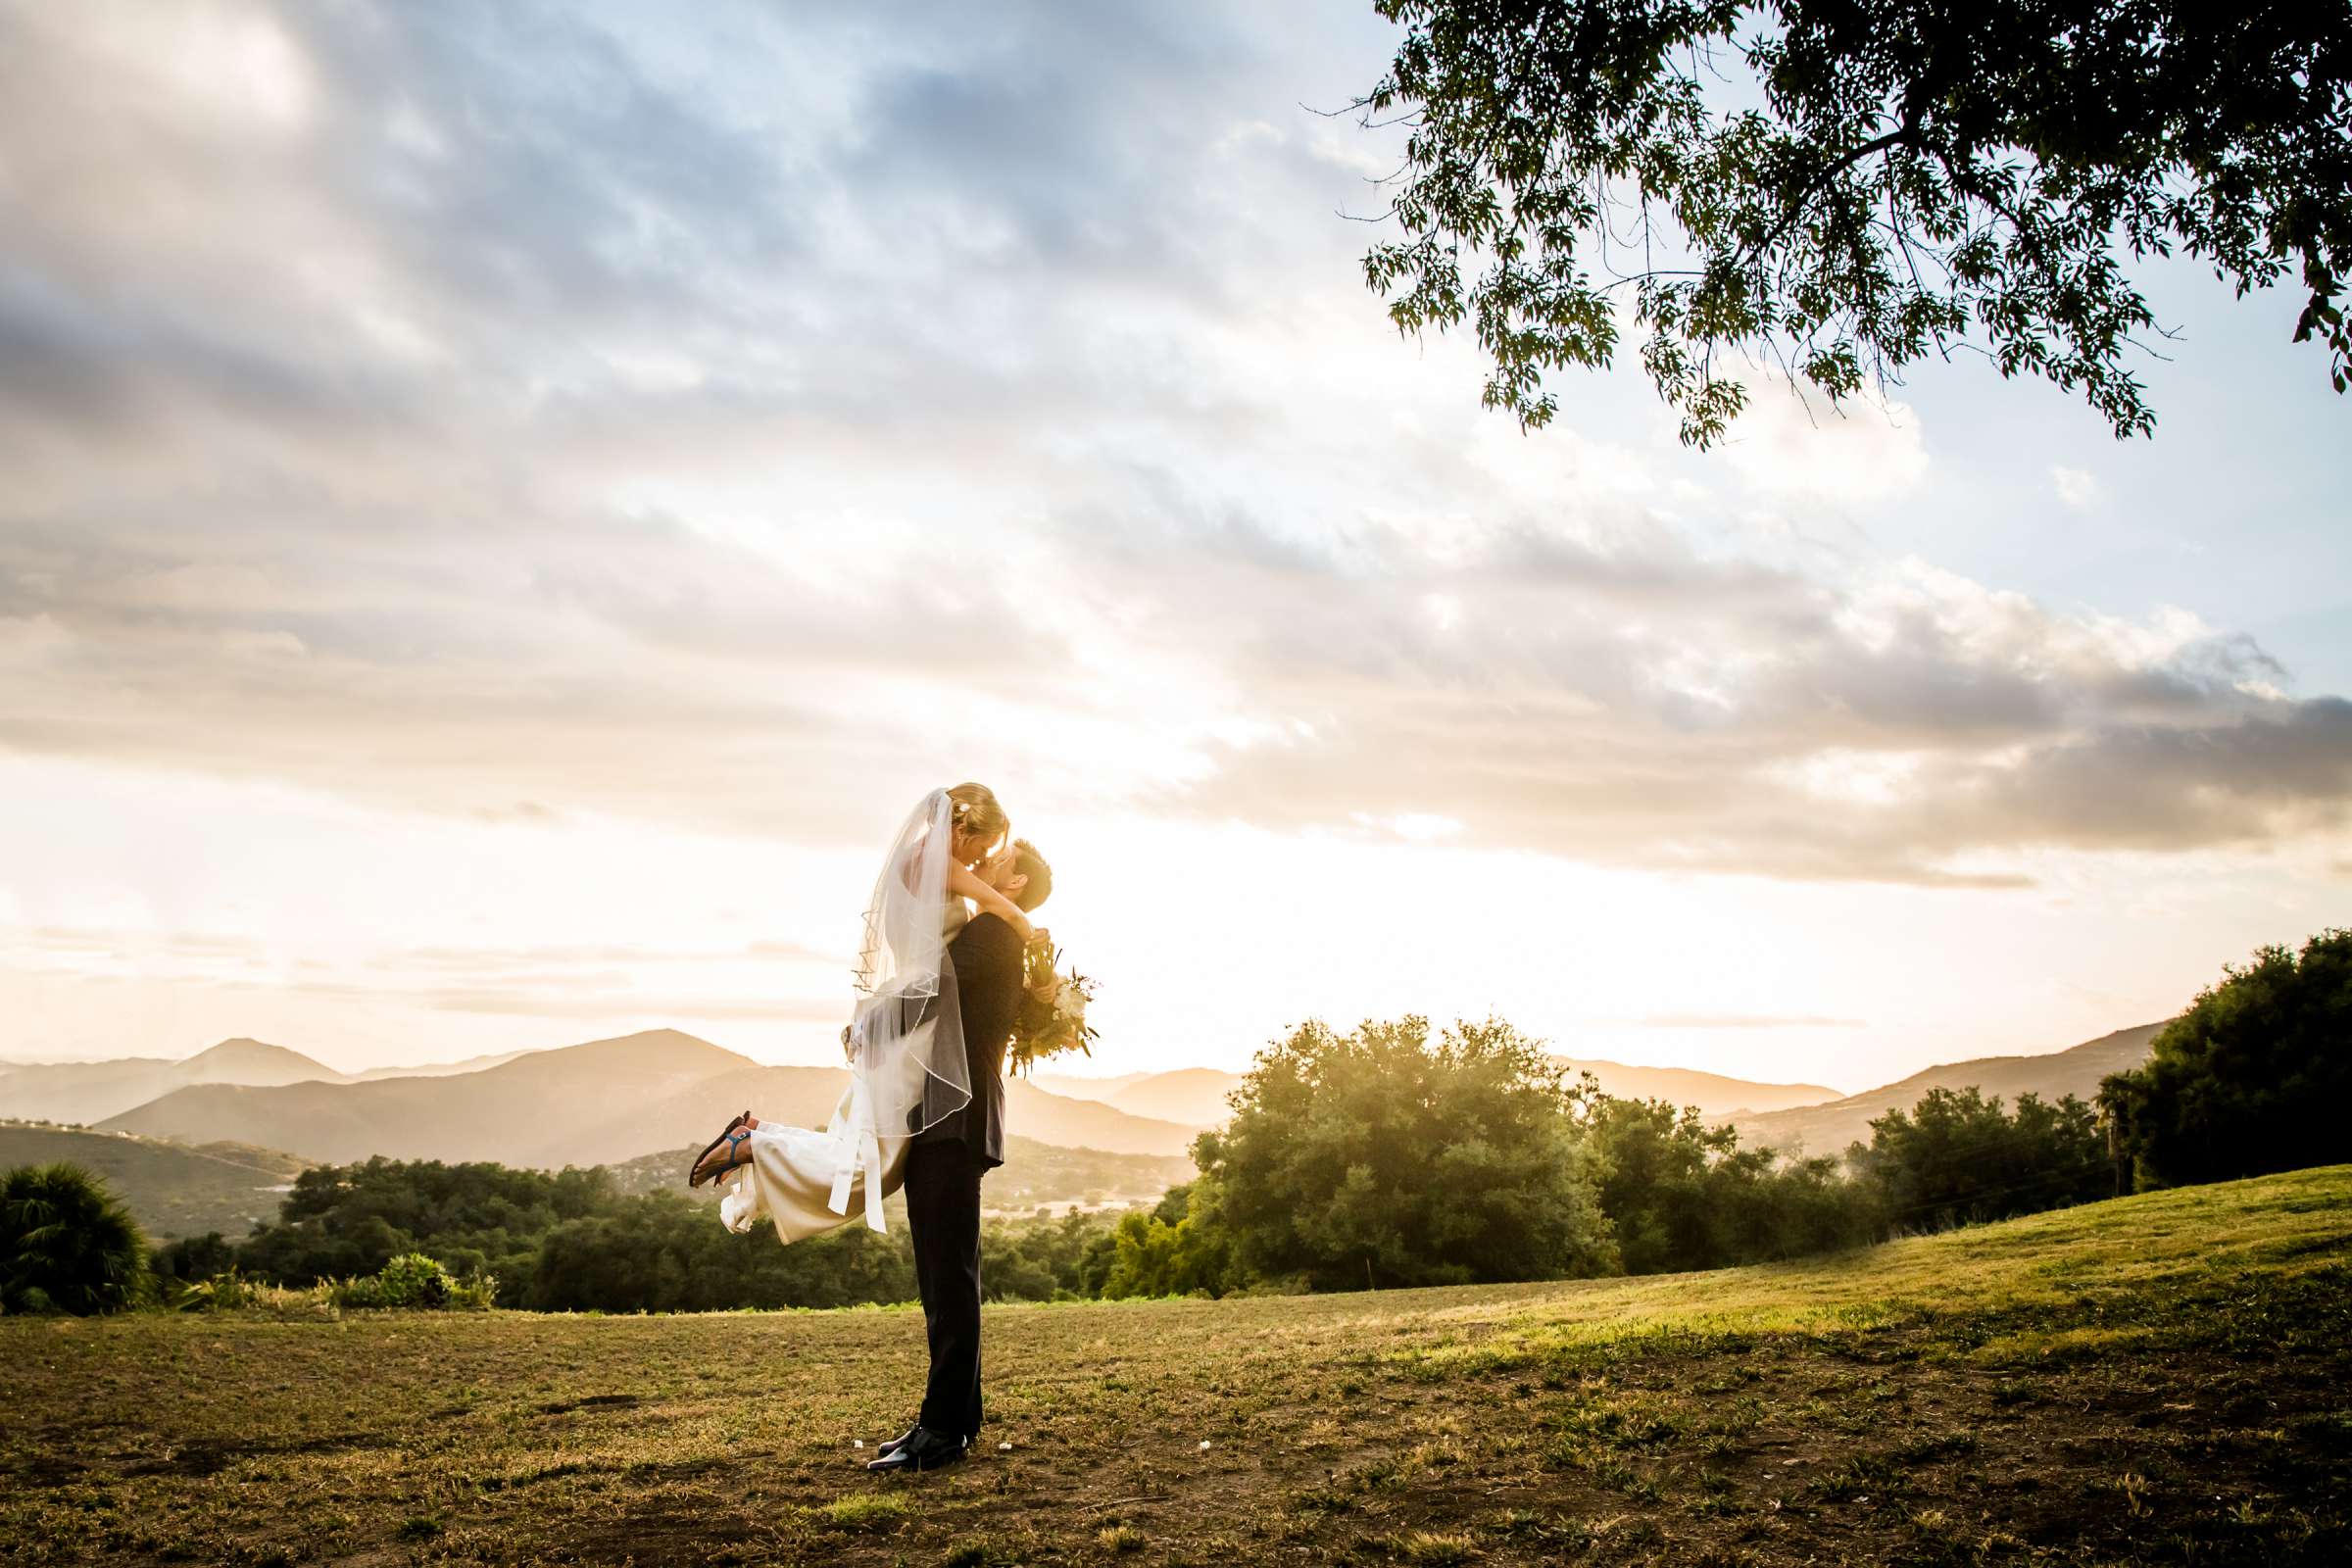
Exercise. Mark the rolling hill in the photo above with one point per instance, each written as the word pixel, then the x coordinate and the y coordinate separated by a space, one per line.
pixel 1195 1097
pixel 1192 1096
pixel 435 1069
pixel 92 1091
pixel 1826 1129
pixel 597 1104
pixel 1075 1086
pixel 1711 1092
pixel 173 1188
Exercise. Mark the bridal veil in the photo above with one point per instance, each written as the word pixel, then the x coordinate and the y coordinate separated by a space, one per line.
pixel 907 1067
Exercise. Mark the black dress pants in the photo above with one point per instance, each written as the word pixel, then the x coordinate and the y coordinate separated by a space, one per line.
pixel 943 1221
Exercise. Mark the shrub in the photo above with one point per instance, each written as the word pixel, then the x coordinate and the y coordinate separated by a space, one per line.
pixel 67 1245
pixel 226 1292
pixel 1386 1157
pixel 416 1280
pixel 412 1281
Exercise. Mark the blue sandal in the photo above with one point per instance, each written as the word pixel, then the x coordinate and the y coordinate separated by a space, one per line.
pixel 735 1137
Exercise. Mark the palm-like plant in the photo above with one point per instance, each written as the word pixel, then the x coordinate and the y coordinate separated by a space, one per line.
pixel 66 1243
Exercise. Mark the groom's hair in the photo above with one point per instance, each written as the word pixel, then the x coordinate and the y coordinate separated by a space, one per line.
pixel 1026 862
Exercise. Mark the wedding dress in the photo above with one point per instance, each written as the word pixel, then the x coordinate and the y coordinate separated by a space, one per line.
pixel 905 1043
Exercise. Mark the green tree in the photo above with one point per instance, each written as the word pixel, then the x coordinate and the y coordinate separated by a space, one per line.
pixel 66 1245
pixel 2254 1077
pixel 479 1218
pixel 1384 1157
pixel 1682 1195
pixel 665 1253
pixel 1845 187
pixel 1958 1157
pixel 1038 1259
pixel 1179 1247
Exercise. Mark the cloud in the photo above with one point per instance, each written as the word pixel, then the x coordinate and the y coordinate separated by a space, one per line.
pixel 2076 488
pixel 555 980
pixel 1793 443
pixel 1623 699
pixel 516 414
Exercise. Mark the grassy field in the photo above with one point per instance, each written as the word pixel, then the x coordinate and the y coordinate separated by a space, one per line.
pixel 2163 1378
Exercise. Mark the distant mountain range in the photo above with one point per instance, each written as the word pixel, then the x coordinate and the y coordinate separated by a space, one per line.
pixel 1191 1097
pixel 92 1091
pixel 1826 1128
pixel 609 1101
pixel 597 1104
pixel 1195 1097
pixel 433 1070
pixel 1712 1093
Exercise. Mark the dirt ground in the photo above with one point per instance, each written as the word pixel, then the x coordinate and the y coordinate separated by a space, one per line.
pixel 2162 1379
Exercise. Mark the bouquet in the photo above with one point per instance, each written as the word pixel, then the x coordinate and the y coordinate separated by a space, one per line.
pixel 1050 1020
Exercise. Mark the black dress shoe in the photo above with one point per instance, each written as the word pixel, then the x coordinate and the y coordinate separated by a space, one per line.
pixel 923 1449
pixel 892 1445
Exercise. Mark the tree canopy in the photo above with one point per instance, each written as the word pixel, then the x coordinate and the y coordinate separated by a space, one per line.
pixel 1842 188
pixel 1386 1157
pixel 1958 1157
pixel 2253 1078
pixel 1682 1194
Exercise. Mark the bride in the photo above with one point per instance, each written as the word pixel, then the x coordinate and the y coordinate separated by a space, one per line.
pixel 905 1041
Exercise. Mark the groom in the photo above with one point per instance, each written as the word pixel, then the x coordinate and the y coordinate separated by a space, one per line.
pixel 946 1161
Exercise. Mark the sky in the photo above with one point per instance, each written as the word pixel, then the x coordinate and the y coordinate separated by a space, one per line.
pixel 505 508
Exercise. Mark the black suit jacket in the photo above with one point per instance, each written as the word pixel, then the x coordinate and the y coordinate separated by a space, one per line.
pixel 987 958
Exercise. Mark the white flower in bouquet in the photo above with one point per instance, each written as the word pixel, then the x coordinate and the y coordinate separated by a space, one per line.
pixel 1052 1020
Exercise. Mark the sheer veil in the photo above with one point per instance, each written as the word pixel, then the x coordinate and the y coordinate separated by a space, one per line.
pixel 905 1041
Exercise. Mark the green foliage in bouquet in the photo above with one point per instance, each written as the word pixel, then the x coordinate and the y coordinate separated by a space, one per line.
pixel 1052 1019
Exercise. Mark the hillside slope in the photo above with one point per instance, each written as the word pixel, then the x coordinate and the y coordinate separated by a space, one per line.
pixel 436 1070
pixel 173 1189
pixel 1714 1094
pixel 1827 1129
pixel 92 1091
pixel 1191 1097
pixel 547 1107
pixel 1076 1086
pixel 1195 1097
pixel 588 1104
pixel 2155 1380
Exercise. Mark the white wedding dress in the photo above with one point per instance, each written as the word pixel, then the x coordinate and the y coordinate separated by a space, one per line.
pixel 790 1180
pixel 907 1067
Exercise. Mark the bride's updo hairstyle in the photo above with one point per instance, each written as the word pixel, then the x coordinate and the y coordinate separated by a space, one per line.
pixel 977 815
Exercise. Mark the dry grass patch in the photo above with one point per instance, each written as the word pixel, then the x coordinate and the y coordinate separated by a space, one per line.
pixel 2158 1380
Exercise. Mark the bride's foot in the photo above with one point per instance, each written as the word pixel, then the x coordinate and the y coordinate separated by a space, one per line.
pixel 724 1153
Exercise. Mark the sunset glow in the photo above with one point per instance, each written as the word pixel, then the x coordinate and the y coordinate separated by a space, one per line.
pixel 499 520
